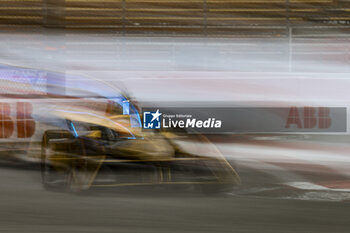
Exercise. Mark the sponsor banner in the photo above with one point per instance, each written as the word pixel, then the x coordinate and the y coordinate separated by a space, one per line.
pixel 247 120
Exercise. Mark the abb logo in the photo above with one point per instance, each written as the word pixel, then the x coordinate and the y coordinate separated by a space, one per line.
pixel 311 118
pixel 24 121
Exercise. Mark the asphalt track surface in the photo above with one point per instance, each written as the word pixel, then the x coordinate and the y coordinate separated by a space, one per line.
pixel 27 207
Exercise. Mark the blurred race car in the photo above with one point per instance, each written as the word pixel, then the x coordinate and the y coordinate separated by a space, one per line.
pixel 86 133
pixel 77 158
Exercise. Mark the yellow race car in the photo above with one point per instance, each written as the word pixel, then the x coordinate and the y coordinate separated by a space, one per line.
pixel 108 150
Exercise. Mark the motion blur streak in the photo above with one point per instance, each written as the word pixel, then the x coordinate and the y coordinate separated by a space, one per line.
pixel 75 76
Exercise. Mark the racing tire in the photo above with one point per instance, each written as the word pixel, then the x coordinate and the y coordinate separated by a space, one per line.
pixel 54 176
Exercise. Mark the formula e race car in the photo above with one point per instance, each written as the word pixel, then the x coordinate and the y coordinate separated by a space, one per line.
pixel 108 150
pixel 86 134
